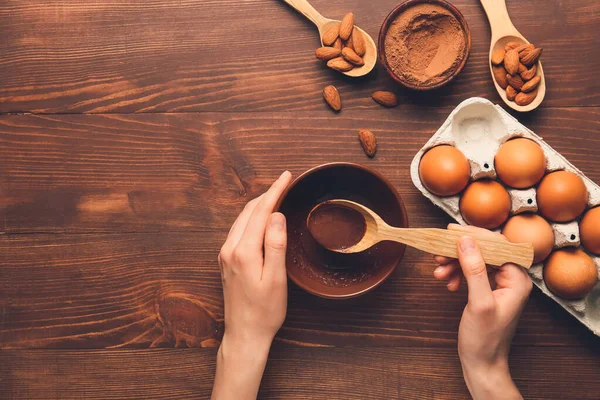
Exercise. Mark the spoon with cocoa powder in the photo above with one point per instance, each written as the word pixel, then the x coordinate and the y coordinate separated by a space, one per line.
pixel 344 226
pixel 514 62
pixel 346 48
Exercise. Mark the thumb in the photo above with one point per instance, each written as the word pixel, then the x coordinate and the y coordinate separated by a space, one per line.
pixel 275 244
pixel 474 270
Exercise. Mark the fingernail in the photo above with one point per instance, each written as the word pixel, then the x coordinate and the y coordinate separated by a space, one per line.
pixel 438 270
pixel 283 174
pixel 277 221
pixel 466 244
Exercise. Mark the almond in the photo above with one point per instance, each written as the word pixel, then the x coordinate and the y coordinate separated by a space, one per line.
pixel 339 64
pixel 385 98
pixel 352 57
pixel 524 47
pixel 346 26
pixel 331 34
pixel 349 43
pixel 498 56
pixel 511 93
pixel 332 97
pixel 522 68
pixel 531 85
pixel 524 99
pixel 500 76
pixel 368 141
pixel 529 73
pixel 511 62
pixel 358 42
pixel 514 81
pixel 511 45
pixel 327 53
pixel 530 57
pixel 338 44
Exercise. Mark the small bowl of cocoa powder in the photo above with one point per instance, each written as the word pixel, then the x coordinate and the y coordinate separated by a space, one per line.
pixel 424 44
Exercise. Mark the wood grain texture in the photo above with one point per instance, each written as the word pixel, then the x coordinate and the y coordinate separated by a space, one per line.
pixel 125 56
pixel 291 373
pixel 164 290
pixel 194 172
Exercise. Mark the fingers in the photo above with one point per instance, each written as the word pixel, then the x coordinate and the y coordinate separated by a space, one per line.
pixel 474 270
pixel 511 276
pixel 443 272
pixel 442 260
pixel 275 246
pixel 254 233
pixel 454 281
pixel 237 229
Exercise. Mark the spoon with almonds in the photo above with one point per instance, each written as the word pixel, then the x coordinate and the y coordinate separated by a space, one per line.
pixel 346 48
pixel 366 229
pixel 506 37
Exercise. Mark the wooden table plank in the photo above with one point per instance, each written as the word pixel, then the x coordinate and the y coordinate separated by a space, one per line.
pixel 155 172
pixel 125 56
pixel 164 290
pixel 292 373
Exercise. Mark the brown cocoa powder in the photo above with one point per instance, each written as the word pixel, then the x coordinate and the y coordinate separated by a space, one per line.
pixel 425 44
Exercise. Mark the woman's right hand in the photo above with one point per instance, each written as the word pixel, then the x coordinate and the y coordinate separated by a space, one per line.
pixel 490 318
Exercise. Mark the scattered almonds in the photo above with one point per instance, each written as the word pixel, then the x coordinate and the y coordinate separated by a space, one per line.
pixel 515 70
pixel 332 97
pixel 368 142
pixel 385 98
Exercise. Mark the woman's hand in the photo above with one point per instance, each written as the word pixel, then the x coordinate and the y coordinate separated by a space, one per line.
pixel 252 263
pixel 490 318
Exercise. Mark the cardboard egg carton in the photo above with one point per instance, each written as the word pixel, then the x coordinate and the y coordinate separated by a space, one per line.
pixel 478 128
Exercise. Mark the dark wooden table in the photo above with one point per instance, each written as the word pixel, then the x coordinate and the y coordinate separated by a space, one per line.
pixel 131 135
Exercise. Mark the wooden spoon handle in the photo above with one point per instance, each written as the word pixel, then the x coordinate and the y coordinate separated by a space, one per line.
pixel 496 251
pixel 500 21
pixel 304 7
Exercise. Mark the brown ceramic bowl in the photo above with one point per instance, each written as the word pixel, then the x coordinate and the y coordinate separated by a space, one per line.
pixel 399 10
pixel 326 273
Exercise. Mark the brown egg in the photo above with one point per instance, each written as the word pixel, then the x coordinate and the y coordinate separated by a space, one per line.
pixel 520 163
pixel 531 228
pixel 444 170
pixel 485 204
pixel 562 196
pixel 589 230
pixel 570 273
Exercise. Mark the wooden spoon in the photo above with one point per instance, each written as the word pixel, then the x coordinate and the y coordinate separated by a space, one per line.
pixel 503 31
pixel 496 251
pixel 322 23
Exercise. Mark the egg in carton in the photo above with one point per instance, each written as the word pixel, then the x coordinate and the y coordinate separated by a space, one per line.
pixel 478 128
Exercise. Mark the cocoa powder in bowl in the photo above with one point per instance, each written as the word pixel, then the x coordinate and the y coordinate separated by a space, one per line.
pixel 425 43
